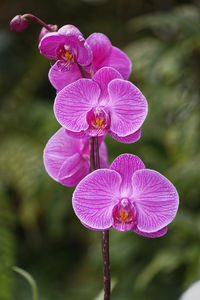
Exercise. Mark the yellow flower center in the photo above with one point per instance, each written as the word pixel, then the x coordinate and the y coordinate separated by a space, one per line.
pixel 99 122
pixel 68 56
pixel 123 216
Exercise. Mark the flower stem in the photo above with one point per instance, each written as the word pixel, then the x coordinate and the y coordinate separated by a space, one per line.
pixel 82 71
pixel 105 263
pixel 39 21
pixel 92 158
pixel 97 153
pixel 104 240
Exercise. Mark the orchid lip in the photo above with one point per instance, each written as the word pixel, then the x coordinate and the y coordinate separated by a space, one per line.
pixel 99 121
pixel 124 215
pixel 65 53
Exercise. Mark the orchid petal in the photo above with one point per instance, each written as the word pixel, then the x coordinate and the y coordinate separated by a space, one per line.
pixel 156 200
pixel 131 138
pixel 59 147
pixel 60 78
pixel 100 46
pixel 74 101
pixel 128 107
pixel 103 77
pixel 119 61
pixel 78 135
pixel 126 165
pixel 99 229
pixel 50 43
pixel 155 234
pixel 74 169
pixel 95 197
pixel 84 53
pixel 69 30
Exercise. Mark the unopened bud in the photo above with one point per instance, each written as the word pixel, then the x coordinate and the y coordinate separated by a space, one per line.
pixel 44 31
pixel 18 23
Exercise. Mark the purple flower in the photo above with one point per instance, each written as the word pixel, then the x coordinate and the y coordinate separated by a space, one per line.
pixel 66 45
pixel 104 104
pixel 104 55
pixel 67 159
pixel 126 196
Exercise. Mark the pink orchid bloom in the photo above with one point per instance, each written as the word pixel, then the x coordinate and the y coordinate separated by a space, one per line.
pixel 104 104
pixel 104 55
pixel 68 47
pixel 126 197
pixel 66 159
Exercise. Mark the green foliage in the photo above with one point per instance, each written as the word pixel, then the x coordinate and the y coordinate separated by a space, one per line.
pixel 38 229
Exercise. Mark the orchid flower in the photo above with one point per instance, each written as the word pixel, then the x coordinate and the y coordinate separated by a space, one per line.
pixel 105 104
pixel 126 197
pixel 68 47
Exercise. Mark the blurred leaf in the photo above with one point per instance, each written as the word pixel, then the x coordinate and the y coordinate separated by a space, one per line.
pixel 164 261
pixel 30 280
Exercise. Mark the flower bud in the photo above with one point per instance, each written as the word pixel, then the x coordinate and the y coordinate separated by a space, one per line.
pixel 44 31
pixel 18 23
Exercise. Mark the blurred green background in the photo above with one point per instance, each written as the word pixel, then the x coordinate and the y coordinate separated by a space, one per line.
pixel 38 229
